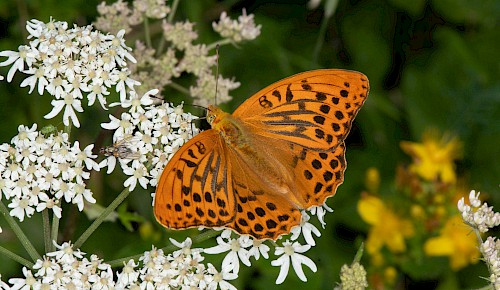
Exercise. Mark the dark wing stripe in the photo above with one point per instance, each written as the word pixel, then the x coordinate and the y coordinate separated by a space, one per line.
pixel 292 134
pixel 225 183
pixel 207 170
pixel 215 175
pixel 290 122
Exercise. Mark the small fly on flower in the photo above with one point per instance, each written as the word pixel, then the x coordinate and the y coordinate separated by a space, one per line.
pixel 121 149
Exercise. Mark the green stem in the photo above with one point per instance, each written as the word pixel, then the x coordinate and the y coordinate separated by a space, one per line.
pixel 67 129
pixel 205 236
pixel 221 42
pixel 173 9
pixel 168 249
pixel 161 43
pixel 179 88
pixel 119 262
pixel 46 230
pixel 28 246
pixel 111 207
pixel 147 34
pixel 8 254
pixel 161 46
pixel 320 40
pixel 54 232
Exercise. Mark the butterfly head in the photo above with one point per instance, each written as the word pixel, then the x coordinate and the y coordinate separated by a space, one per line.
pixel 214 115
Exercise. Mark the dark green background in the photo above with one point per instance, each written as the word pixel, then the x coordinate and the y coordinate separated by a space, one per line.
pixel 431 64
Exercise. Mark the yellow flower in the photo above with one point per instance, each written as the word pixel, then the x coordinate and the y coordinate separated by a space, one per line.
pixel 372 179
pixel 387 228
pixel 456 241
pixel 433 158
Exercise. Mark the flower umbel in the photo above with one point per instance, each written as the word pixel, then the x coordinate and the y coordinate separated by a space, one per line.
pixel 69 63
pixel 39 172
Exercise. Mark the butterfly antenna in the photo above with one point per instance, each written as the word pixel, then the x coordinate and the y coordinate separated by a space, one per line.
pixel 216 71
pixel 198 106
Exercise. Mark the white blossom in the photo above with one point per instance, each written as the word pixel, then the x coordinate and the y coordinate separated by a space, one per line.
pixel 307 229
pixel 292 252
pixel 236 249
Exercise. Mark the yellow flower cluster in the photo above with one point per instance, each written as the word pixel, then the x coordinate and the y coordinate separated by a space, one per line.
pixel 420 221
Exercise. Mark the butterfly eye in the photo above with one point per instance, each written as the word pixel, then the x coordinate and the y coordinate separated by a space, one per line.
pixel 210 119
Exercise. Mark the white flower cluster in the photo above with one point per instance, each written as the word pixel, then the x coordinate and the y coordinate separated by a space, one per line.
pixel 204 91
pixel 242 248
pixel 180 55
pixel 491 254
pixel 69 63
pixel 118 15
pixel 482 218
pixel 152 133
pixel 70 269
pixel 237 30
pixel 477 214
pixel 38 172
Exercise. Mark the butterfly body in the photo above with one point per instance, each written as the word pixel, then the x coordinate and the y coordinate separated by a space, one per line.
pixel 280 152
pixel 242 142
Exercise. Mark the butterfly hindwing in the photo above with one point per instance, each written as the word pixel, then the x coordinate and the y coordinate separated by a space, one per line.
pixel 195 188
pixel 262 210
pixel 318 174
pixel 313 109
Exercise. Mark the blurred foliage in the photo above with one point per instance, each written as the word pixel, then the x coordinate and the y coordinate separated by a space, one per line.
pixel 431 64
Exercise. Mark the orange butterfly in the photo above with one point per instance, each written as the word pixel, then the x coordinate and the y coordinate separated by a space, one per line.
pixel 281 151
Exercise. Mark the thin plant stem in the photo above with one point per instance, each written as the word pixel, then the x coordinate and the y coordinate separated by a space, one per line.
pixel 221 42
pixel 173 9
pixel 147 34
pixel 320 40
pixel 171 15
pixel 54 232
pixel 205 236
pixel 28 246
pixel 46 230
pixel 161 46
pixel 111 207
pixel 330 8
pixel 67 129
pixel 8 254
pixel 179 88
pixel 168 249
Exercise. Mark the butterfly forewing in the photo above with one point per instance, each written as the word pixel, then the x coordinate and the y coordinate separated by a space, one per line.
pixel 195 188
pixel 313 109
